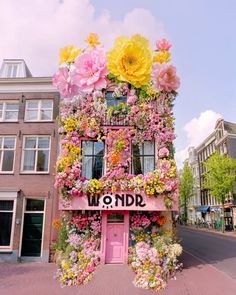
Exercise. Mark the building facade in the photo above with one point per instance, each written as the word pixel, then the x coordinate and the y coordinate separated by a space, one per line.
pixel 209 210
pixel 28 152
pixel 195 200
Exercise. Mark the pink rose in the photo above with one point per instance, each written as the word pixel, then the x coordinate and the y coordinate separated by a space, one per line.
pixel 163 44
pixel 65 82
pixel 91 70
pixel 164 77
pixel 163 152
pixel 131 99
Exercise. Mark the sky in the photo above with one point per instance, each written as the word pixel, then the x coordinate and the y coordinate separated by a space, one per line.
pixel 203 50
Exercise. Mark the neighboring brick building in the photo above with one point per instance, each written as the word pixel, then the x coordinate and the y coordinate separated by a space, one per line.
pixel 28 152
pixel 223 139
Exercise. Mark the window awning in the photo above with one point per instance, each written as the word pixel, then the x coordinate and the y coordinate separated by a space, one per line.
pixel 203 209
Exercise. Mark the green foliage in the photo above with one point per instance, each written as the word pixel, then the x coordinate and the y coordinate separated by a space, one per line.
pixel 220 176
pixel 61 243
pixel 186 188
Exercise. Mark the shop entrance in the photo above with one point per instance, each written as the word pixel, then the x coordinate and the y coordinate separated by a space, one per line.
pixel 115 238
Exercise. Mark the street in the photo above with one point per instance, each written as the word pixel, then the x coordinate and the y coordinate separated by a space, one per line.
pixel 209 269
pixel 214 249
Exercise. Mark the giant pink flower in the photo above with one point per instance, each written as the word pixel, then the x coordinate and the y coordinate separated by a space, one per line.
pixel 91 70
pixel 65 81
pixel 164 77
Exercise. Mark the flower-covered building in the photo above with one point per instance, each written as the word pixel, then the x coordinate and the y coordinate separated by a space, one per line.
pixel 116 174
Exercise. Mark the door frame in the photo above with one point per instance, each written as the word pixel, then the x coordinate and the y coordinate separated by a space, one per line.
pixel 22 224
pixel 104 234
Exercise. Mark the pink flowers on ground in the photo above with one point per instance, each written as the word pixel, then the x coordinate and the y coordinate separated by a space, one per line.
pixel 163 44
pixel 91 70
pixel 164 77
pixel 66 82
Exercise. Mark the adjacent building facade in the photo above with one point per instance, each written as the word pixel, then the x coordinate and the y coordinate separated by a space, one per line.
pixel 223 139
pixel 28 152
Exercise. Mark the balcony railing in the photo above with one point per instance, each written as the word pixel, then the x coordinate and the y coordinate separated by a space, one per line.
pixel 116 120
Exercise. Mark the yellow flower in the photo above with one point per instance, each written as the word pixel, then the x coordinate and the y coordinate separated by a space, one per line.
pixel 92 39
pixel 70 124
pixel 130 60
pixel 161 56
pixel 68 54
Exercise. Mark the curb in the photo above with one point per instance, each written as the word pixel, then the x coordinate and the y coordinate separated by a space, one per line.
pixel 226 234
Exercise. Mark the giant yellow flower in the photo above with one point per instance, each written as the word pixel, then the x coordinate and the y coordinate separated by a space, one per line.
pixel 130 60
pixel 68 54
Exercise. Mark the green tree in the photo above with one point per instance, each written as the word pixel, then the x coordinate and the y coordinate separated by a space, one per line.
pixel 186 188
pixel 219 178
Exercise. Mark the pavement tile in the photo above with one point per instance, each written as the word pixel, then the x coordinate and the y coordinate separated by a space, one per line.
pixel 196 278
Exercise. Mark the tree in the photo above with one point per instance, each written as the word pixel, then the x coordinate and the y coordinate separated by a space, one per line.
pixel 186 188
pixel 219 178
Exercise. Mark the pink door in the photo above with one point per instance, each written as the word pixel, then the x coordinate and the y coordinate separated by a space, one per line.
pixel 115 243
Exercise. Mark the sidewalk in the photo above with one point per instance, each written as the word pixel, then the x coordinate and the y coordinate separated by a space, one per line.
pixel 197 278
pixel 213 231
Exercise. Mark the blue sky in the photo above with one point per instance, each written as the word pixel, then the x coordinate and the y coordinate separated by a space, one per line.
pixel 202 33
pixel 204 48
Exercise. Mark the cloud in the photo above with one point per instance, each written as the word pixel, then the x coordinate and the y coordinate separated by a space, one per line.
pixel 35 30
pixel 196 131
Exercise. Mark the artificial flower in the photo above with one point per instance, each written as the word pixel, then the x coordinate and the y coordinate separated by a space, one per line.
pixel 91 70
pixel 161 56
pixel 92 39
pixel 164 77
pixel 163 44
pixel 130 60
pixel 68 54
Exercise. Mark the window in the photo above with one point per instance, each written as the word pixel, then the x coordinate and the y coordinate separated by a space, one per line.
pixel 12 70
pixel 7 210
pixel 113 101
pixel 7 152
pixel 36 154
pixel 92 159
pixel 9 111
pixel 143 157
pixel 39 110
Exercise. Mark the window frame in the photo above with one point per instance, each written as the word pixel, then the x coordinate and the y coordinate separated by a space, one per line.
pixel 93 156
pixel 38 109
pixel 8 149
pixel 143 156
pixel 4 110
pixel 14 199
pixel 36 156
pixel 115 99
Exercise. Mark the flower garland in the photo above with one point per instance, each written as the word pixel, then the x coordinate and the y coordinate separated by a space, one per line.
pixel 80 255
pixel 153 255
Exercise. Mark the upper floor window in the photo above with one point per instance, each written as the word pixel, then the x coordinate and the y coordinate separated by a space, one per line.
pixel 92 159
pixel 9 111
pixel 39 110
pixel 113 101
pixel 35 154
pixel 7 153
pixel 143 157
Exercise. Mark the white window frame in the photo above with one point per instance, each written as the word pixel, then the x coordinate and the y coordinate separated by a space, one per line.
pixel 22 218
pixel 36 156
pixel 4 110
pixel 12 66
pixel 6 198
pixel 38 109
pixel 7 149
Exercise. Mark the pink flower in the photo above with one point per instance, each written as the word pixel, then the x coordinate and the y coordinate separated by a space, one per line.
pixel 164 77
pixel 65 82
pixel 163 44
pixel 131 99
pixel 91 70
pixel 163 152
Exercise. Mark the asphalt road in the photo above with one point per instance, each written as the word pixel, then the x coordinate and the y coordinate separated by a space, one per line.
pixel 216 250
